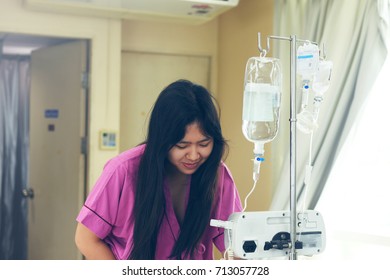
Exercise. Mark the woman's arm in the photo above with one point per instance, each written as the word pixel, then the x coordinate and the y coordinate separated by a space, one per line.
pixel 91 246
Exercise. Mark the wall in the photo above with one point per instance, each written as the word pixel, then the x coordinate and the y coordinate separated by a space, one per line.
pixel 105 64
pixel 155 53
pixel 237 41
pixel 173 38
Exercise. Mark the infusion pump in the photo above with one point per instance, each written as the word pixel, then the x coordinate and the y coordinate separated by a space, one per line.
pixel 266 235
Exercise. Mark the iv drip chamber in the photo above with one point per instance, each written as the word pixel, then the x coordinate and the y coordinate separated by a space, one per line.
pixel 306 122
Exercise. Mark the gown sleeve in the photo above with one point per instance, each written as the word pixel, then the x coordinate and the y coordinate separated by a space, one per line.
pixel 100 210
pixel 227 202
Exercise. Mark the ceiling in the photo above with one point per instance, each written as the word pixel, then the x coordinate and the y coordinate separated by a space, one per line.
pixel 184 11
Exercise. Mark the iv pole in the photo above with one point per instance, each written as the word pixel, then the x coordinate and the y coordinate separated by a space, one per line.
pixel 293 120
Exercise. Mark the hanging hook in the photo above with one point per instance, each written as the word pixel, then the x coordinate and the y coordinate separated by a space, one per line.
pixel 263 52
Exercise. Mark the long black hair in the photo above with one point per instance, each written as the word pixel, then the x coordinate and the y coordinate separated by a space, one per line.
pixel 178 105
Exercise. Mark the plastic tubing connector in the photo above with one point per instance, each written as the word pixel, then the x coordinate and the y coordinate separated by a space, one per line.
pixel 258 159
pixel 256 167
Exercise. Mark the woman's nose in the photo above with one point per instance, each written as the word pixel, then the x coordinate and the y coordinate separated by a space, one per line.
pixel 193 154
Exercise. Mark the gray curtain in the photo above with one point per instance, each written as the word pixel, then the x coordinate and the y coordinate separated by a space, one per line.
pixel 14 132
pixel 353 33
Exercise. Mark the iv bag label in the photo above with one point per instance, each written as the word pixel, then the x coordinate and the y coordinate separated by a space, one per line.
pixel 307 60
pixel 259 102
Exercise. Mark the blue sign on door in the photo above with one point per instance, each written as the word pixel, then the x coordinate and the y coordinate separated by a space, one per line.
pixel 51 113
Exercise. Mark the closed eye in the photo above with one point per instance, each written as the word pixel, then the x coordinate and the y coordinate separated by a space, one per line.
pixel 181 146
pixel 204 145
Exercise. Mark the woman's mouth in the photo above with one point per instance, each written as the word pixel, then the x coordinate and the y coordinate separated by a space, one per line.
pixel 190 165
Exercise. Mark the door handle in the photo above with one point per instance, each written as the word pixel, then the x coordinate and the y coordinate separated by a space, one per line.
pixel 28 192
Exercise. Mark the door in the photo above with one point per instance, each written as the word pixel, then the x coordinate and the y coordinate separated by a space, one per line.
pixel 144 75
pixel 57 163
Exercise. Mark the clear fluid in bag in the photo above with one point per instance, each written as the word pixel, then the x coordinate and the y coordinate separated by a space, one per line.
pixel 321 80
pixel 262 98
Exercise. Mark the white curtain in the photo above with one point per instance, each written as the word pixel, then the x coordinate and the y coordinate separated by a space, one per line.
pixel 352 31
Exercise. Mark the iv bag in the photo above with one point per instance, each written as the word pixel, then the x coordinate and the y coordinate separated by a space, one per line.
pixel 262 98
pixel 307 120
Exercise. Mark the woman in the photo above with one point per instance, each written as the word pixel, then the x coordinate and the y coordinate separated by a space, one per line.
pixel 155 201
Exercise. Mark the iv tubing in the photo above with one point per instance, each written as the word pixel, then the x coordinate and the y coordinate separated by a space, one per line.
pixel 307 176
pixel 247 196
pixel 308 169
pixel 258 153
pixel 229 253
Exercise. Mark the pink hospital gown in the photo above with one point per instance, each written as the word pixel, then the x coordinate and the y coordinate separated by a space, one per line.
pixel 107 210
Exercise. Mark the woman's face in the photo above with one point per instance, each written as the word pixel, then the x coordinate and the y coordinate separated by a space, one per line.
pixel 191 151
